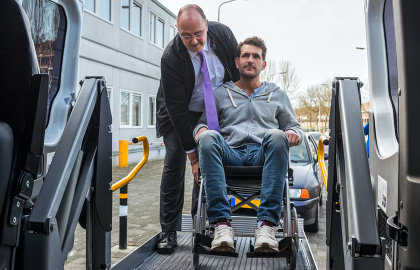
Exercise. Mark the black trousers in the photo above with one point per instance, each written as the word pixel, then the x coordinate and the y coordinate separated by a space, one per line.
pixel 172 184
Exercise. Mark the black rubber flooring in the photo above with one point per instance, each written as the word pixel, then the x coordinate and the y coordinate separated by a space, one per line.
pixel 182 258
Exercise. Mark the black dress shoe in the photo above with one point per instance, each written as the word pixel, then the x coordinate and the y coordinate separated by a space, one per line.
pixel 167 243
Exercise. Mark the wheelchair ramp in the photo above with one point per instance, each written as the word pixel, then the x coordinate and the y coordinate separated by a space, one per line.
pixel 145 258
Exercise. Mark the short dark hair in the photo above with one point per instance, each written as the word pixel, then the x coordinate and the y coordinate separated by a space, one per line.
pixel 189 7
pixel 256 41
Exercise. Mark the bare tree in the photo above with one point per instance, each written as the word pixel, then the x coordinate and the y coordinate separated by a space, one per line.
pixel 314 106
pixel 282 73
pixel 289 79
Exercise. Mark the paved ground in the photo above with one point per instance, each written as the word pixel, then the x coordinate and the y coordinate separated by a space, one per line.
pixel 143 216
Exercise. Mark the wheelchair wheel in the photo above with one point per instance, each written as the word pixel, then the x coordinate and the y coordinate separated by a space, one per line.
pixel 295 227
pixel 291 261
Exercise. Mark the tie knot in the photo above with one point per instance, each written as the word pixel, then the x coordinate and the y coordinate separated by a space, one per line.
pixel 201 54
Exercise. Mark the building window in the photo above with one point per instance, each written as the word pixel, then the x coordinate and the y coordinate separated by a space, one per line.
pixel 100 7
pixel 125 14
pixel 172 32
pixel 136 110
pixel 105 9
pixel 124 114
pixel 157 30
pixel 131 109
pixel 90 5
pixel 131 9
pixel 152 111
pixel 137 19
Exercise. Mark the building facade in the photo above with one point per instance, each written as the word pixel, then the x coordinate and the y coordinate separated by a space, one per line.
pixel 123 40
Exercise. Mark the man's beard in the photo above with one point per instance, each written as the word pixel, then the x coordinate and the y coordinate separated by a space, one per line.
pixel 248 75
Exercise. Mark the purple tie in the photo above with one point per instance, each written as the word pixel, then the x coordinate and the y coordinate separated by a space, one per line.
pixel 211 112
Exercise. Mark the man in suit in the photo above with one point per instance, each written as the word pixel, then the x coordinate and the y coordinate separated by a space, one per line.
pixel 180 103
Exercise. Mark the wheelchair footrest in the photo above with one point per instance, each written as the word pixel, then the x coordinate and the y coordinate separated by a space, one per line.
pixel 285 250
pixel 202 244
pixel 200 249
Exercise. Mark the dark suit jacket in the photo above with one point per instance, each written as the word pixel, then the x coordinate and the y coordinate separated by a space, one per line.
pixel 178 79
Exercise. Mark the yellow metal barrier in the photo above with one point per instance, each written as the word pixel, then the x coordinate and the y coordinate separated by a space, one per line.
pixel 322 141
pixel 136 169
pixel 123 153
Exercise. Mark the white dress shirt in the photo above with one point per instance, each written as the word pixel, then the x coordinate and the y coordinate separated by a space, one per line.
pixel 216 71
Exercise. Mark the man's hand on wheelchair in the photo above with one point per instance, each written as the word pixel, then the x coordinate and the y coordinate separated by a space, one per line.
pixel 293 137
pixel 195 165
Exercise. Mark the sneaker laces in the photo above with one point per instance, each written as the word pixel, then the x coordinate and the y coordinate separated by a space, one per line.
pixel 266 231
pixel 223 230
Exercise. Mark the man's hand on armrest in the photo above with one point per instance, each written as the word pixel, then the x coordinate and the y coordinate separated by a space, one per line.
pixel 201 130
pixel 293 137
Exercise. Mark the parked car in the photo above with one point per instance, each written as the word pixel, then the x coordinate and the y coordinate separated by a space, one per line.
pixel 306 190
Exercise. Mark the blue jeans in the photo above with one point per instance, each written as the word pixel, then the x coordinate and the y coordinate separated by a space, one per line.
pixel 273 154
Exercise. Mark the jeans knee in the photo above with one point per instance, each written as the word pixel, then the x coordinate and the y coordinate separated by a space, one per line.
pixel 276 138
pixel 208 139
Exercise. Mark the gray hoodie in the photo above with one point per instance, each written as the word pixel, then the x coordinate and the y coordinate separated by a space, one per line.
pixel 245 120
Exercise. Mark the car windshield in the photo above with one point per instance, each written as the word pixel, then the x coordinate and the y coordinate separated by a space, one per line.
pixel 299 153
pixel 316 136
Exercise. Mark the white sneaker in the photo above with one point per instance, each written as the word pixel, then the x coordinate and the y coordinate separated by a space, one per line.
pixel 223 239
pixel 265 240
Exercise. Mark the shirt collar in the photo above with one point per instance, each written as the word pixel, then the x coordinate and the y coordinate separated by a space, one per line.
pixel 206 48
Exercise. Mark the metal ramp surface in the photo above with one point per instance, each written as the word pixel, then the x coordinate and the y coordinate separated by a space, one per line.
pixel 144 258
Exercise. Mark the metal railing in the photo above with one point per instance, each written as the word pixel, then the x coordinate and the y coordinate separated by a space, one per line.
pixel 137 168
pixel 323 140
pixel 123 186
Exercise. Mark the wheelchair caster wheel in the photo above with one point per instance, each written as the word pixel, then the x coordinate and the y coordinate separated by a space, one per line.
pixel 291 261
pixel 196 260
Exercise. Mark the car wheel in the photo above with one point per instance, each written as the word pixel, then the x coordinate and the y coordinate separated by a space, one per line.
pixel 315 226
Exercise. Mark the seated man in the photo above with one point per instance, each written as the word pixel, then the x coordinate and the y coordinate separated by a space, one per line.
pixel 257 127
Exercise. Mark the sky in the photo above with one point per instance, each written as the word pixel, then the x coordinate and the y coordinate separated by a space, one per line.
pixel 319 37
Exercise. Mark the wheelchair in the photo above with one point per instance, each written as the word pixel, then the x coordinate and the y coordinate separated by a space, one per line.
pixel 244 183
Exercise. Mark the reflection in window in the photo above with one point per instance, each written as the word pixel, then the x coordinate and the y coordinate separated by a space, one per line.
pixel 48 29
pixel 105 9
pixel 124 109
pixel 299 153
pixel 391 53
pixel 125 14
pixel 152 111
pixel 136 19
pixel 136 110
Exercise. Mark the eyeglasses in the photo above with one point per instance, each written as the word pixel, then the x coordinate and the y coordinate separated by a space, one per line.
pixel 189 37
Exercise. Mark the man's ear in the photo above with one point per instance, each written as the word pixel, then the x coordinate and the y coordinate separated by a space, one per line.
pixel 207 25
pixel 264 65
pixel 237 62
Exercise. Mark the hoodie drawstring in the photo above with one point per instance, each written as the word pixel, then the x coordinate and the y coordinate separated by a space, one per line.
pixel 231 98
pixel 269 97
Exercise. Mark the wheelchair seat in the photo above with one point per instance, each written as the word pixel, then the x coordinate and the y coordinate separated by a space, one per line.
pixel 243 175
pixel 244 183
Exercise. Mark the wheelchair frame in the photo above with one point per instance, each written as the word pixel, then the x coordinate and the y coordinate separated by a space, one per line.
pixel 289 243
